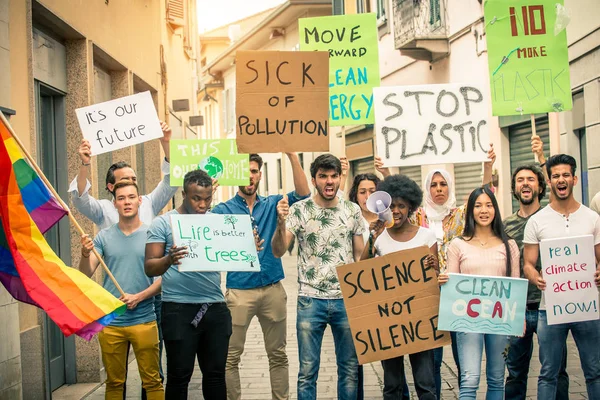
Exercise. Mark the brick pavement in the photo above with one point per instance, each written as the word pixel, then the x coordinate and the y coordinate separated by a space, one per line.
pixel 254 368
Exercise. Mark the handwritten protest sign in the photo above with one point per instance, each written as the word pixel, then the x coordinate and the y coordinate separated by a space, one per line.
pixel 392 305
pixel 568 266
pixel 352 42
pixel 282 101
pixel 119 123
pixel 528 58
pixel 431 124
pixel 218 157
pixel 483 304
pixel 215 242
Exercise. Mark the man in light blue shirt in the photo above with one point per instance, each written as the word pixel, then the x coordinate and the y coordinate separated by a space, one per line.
pixel 122 247
pixel 260 294
pixel 196 322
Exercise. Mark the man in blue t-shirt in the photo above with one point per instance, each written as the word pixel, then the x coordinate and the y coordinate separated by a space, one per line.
pixel 196 322
pixel 122 248
pixel 260 294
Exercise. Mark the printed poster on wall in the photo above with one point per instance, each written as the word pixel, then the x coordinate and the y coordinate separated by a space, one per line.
pixel 431 124
pixel 218 157
pixel 483 304
pixel 352 42
pixel 392 304
pixel 119 123
pixel 568 267
pixel 215 242
pixel 527 56
pixel 282 101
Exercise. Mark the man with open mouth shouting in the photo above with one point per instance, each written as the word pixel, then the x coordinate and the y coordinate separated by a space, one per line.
pixel 329 232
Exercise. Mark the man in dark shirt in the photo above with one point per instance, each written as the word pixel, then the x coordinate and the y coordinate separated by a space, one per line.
pixel 260 294
pixel 528 187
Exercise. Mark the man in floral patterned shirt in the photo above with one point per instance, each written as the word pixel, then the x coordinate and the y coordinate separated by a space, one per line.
pixel 329 234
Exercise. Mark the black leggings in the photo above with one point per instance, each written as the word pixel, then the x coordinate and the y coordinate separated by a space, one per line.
pixel 209 343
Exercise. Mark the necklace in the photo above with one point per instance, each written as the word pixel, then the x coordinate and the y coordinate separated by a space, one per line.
pixel 483 244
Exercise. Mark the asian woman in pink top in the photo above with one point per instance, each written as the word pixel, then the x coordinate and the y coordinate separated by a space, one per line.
pixel 483 249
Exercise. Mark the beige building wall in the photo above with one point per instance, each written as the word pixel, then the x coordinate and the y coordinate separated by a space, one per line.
pixel 64 45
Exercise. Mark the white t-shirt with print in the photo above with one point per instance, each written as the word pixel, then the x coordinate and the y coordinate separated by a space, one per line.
pixel 550 224
pixel 325 241
pixel 385 244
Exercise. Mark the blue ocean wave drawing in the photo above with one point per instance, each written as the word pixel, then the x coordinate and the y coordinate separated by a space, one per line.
pixel 464 325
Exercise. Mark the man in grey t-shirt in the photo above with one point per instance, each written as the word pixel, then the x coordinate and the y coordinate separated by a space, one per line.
pixel 564 217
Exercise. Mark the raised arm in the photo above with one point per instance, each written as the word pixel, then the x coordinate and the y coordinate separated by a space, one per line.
pixel 80 187
pixel 88 262
pixel 282 237
pixel 166 139
pixel 300 183
pixel 488 166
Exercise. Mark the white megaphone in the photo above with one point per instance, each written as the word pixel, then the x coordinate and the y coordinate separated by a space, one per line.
pixel 379 203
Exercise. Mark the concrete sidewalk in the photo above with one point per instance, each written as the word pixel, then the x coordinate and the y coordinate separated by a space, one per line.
pixel 254 368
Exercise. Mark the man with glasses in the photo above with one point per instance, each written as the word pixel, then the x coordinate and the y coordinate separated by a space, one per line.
pixel 260 294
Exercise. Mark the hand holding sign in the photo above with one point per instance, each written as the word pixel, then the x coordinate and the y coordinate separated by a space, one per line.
pixel 283 208
pixel 85 152
pixel 176 254
pixel 258 241
pixel 491 155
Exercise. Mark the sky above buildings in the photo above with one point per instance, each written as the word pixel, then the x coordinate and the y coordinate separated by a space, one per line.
pixel 212 14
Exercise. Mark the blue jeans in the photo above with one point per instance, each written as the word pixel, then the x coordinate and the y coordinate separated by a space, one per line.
pixel 470 352
pixel 312 318
pixel 519 358
pixel 553 340
pixel 438 358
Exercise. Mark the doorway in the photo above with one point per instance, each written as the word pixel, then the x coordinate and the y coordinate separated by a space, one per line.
pixel 52 150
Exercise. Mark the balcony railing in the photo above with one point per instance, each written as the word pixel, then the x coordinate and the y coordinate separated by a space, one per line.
pixel 420 28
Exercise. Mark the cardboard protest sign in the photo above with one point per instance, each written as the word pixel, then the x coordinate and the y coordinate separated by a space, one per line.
pixel 483 304
pixel 527 56
pixel 218 157
pixel 392 305
pixel 352 42
pixel 568 266
pixel 119 123
pixel 431 124
pixel 282 101
pixel 215 242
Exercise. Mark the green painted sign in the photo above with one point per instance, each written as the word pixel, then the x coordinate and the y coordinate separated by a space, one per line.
pixel 353 45
pixel 527 56
pixel 218 157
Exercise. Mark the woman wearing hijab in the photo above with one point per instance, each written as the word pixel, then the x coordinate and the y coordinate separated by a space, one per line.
pixel 440 214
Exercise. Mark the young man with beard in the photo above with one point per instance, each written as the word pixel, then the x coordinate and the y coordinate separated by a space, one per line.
pixel 196 322
pixel 260 294
pixel 529 188
pixel 564 217
pixel 329 232
pixel 122 247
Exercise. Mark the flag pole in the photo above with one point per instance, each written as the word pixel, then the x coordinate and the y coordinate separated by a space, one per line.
pixel 62 203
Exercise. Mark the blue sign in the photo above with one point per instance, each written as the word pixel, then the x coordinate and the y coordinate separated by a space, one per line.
pixel 483 304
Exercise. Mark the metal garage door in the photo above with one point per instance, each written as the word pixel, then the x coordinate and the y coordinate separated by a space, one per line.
pixel 519 136
pixel 467 177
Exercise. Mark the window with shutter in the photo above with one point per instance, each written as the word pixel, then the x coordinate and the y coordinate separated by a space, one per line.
pixel 434 12
pixel 176 12
pixel 338 7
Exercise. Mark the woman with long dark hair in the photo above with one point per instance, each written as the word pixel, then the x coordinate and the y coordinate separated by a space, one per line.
pixel 483 249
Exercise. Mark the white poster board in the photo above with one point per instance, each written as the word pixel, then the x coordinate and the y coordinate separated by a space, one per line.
pixel 568 266
pixel 215 242
pixel 431 124
pixel 119 123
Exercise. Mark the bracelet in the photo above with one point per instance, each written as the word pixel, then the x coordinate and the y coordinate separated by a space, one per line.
pixel 86 165
pixel 84 256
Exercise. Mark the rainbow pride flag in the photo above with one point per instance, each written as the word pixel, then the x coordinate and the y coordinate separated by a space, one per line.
pixel 29 269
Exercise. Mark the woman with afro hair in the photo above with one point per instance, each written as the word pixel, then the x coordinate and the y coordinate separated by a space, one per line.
pixel 406 198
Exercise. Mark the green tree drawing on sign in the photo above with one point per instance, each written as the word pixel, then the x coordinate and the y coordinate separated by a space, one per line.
pixel 230 220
